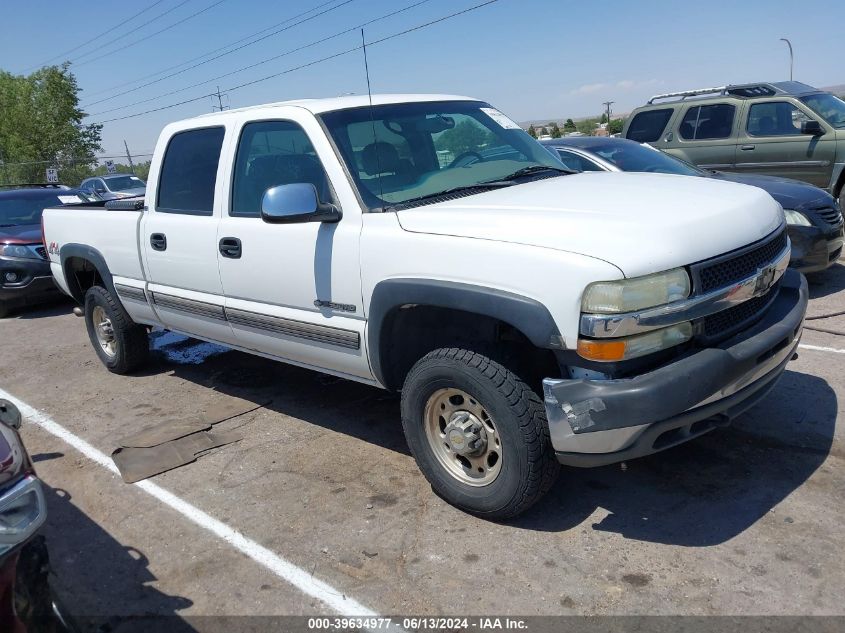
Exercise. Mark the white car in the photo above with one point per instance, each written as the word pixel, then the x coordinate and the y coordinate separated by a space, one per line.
pixel 529 316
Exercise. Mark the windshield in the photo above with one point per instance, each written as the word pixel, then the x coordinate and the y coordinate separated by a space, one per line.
pixel 26 209
pixel 631 156
pixel 830 108
pixel 123 183
pixel 401 152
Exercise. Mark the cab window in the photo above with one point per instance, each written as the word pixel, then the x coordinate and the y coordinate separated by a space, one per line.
pixel 273 153
pixel 707 122
pixel 189 172
pixel 776 118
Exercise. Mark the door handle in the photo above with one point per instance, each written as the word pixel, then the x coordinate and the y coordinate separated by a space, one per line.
pixel 746 148
pixel 158 241
pixel 230 247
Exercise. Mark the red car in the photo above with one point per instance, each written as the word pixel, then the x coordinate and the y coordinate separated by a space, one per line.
pixel 26 601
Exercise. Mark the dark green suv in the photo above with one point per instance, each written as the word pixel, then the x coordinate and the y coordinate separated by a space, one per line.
pixel 784 129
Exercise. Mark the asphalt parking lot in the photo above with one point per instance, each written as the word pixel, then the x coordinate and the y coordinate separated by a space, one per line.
pixel 744 521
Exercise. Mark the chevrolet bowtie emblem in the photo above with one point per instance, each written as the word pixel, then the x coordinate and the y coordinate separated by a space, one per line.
pixel 765 279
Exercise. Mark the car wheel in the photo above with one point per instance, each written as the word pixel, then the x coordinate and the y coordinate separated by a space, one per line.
pixel 121 344
pixel 478 433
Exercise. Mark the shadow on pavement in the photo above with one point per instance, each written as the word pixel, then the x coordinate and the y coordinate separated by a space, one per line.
pixel 103 583
pixel 709 490
pixel 698 494
pixel 827 282
pixel 57 307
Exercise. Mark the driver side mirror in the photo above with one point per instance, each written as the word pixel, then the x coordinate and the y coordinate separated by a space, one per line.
pixel 812 127
pixel 292 204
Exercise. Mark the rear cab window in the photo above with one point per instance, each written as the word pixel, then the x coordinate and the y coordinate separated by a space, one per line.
pixel 189 172
pixel 648 126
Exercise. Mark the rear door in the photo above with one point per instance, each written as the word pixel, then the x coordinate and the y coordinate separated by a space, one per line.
pixel 771 143
pixel 706 135
pixel 179 236
pixel 292 290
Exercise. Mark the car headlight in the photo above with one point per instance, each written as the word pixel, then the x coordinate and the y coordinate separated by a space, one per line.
pixel 627 347
pixel 16 250
pixel 628 295
pixel 796 218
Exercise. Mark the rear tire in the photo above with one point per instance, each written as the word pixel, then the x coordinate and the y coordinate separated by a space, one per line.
pixel 478 433
pixel 121 344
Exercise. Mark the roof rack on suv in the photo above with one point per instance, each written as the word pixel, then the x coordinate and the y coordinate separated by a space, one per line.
pixel 744 90
pixel 35 185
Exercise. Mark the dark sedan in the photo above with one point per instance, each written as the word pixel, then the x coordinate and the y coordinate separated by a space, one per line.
pixel 813 216
pixel 25 276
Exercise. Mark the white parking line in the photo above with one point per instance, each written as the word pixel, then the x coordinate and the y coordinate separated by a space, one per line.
pixel 817 348
pixel 285 570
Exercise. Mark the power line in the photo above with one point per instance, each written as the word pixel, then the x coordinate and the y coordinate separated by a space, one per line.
pixel 91 39
pixel 264 61
pixel 124 45
pixel 308 64
pixel 193 59
pixel 211 59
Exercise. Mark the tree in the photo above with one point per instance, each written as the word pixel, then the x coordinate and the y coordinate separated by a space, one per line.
pixel 569 126
pixel 554 130
pixel 603 117
pixel 466 136
pixel 41 126
pixel 615 126
pixel 532 130
pixel 544 131
pixel 587 126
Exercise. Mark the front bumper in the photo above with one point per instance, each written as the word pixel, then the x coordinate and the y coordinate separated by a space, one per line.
pixel 33 284
pixel 597 422
pixel 815 249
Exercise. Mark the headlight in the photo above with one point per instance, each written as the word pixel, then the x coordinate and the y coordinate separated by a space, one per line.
pixel 616 349
pixel 796 218
pixel 628 295
pixel 16 250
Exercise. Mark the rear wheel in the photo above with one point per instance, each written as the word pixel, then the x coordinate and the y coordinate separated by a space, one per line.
pixel 478 432
pixel 121 344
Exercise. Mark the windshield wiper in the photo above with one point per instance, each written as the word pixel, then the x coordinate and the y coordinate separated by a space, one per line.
pixel 533 169
pixel 490 184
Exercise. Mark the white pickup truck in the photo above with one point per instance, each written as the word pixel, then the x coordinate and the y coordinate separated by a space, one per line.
pixel 424 243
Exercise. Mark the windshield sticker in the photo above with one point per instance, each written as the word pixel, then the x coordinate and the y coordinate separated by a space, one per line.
pixel 500 118
pixel 69 199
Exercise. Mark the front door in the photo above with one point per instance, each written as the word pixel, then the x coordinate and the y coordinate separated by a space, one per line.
pixel 771 143
pixel 179 237
pixel 292 290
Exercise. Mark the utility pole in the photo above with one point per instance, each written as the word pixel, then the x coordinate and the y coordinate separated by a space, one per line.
pixel 607 105
pixel 791 58
pixel 129 157
pixel 219 107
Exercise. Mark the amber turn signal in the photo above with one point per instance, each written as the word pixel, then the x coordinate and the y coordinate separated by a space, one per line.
pixel 601 350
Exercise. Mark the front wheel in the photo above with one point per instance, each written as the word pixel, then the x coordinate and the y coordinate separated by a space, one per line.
pixel 478 432
pixel 121 344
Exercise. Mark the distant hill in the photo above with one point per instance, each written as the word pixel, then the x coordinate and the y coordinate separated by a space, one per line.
pixel 837 90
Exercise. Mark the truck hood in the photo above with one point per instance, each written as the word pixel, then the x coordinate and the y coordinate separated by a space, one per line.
pixel 641 223
pixel 20 234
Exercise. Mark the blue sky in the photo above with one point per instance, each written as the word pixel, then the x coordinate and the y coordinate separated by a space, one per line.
pixel 533 59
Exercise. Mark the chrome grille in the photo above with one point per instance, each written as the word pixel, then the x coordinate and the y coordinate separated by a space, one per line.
pixel 728 321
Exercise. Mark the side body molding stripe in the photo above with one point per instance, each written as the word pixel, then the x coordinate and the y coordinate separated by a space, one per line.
pixel 130 292
pixel 190 306
pixel 299 329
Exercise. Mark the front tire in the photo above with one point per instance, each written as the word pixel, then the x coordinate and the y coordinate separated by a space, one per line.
pixel 478 433
pixel 121 344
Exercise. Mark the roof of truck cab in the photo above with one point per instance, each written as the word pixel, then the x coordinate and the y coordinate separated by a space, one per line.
pixel 318 106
